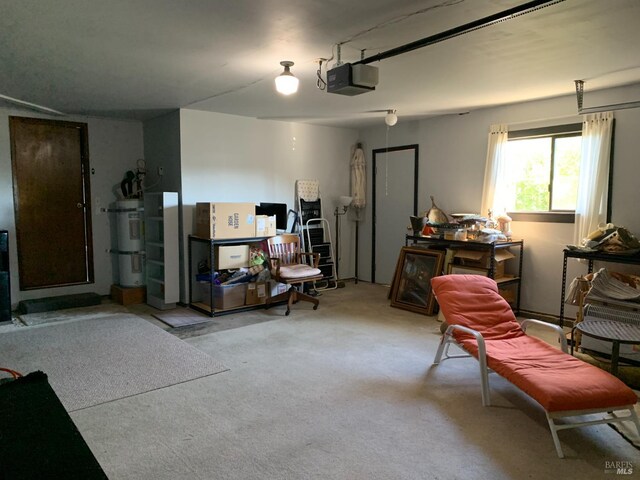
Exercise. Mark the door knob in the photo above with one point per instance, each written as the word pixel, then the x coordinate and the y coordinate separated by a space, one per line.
pixel 80 205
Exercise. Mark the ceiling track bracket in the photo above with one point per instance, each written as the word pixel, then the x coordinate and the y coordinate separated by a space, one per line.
pixel 602 108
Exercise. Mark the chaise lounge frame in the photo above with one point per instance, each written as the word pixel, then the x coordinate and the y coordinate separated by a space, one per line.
pixel 448 339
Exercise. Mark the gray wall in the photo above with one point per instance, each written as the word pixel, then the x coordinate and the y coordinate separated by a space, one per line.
pixel 452 162
pixel 217 157
pixel 228 158
pixel 114 147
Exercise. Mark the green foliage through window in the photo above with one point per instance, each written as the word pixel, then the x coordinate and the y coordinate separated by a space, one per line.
pixel 543 170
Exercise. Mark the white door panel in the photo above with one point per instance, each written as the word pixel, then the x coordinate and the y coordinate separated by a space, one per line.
pixel 395 198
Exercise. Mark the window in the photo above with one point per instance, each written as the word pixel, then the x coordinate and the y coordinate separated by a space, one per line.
pixel 543 168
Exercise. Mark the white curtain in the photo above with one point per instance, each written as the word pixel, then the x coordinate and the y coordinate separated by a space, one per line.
pixel 591 206
pixel 495 190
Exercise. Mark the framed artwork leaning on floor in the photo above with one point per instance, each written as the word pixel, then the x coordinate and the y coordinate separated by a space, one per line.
pixel 411 288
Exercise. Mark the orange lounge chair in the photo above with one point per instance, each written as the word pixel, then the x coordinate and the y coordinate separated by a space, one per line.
pixel 482 323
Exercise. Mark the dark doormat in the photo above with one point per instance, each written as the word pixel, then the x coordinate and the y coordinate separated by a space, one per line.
pixel 39 439
pixel 61 302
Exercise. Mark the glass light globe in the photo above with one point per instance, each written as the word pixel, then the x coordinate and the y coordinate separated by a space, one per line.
pixel 286 82
pixel 391 119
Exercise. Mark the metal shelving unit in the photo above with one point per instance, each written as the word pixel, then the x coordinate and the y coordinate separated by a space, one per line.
pixel 205 248
pixel 161 246
pixel 491 248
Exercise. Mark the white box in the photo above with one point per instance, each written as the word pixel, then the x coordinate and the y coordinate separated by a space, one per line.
pixel 232 256
pixel 265 226
pixel 276 288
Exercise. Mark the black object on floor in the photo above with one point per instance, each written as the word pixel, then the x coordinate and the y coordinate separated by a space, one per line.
pixel 39 440
pixel 5 287
pixel 48 304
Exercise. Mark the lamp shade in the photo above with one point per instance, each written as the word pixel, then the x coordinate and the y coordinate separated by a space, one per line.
pixel 345 200
pixel 286 82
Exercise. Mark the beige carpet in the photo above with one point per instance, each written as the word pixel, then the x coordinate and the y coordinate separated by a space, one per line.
pixel 93 361
pixel 628 430
pixel 343 392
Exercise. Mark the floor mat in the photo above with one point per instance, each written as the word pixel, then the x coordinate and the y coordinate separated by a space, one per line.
pixel 181 317
pixel 95 361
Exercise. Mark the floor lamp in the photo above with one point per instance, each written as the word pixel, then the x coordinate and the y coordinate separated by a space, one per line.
pixel 341 209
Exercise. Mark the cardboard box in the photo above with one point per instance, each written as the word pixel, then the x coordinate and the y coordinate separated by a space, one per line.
pixel 224 296
pixel 502 256
pixel 128 295
pixel 509 293
pixel 225 220
pixel 482 259
pixel 265 226
pixel 257 293
pixel 231 256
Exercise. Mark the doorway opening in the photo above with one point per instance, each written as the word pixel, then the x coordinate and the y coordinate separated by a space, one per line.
pixel 394 200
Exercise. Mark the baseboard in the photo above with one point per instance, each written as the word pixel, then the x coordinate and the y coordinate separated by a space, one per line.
pixel 546 317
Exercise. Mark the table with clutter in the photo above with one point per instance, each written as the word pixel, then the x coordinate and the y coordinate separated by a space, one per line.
pixel 484 243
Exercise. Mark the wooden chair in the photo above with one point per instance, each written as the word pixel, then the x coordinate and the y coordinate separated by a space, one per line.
pixel 288 266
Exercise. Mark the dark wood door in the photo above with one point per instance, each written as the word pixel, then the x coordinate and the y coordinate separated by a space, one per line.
pixel 51 198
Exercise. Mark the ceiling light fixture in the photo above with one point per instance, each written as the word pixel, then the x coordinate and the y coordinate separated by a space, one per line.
pixel 391 118
pixel 286 82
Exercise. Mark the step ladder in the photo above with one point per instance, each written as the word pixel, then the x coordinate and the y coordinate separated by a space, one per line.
pixel 315 231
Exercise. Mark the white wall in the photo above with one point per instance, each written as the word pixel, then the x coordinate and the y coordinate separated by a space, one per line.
pixel 227 158
pixel 452 162
pixel 114 147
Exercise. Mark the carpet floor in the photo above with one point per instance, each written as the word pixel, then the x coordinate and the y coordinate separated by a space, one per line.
pixel 93 361
pixel 344 392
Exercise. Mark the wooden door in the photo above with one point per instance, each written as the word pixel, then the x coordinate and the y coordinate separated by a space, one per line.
pixel 52 202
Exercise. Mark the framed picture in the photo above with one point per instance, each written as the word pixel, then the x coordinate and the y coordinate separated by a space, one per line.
pixel 292 222
pixel 411 288
pixel 466 270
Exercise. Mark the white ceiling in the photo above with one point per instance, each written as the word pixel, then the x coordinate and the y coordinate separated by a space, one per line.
pixel 141 58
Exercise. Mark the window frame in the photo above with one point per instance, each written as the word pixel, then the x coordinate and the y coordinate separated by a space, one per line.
pixel 555 131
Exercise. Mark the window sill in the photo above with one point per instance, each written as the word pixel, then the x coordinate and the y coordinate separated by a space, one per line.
pixel 543 217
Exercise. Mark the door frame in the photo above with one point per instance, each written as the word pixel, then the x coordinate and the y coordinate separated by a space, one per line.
pixel 86 175
pixel 416 149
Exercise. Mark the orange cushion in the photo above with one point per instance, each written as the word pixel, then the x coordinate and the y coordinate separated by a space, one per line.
pixel 473 301
pixel 556 380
